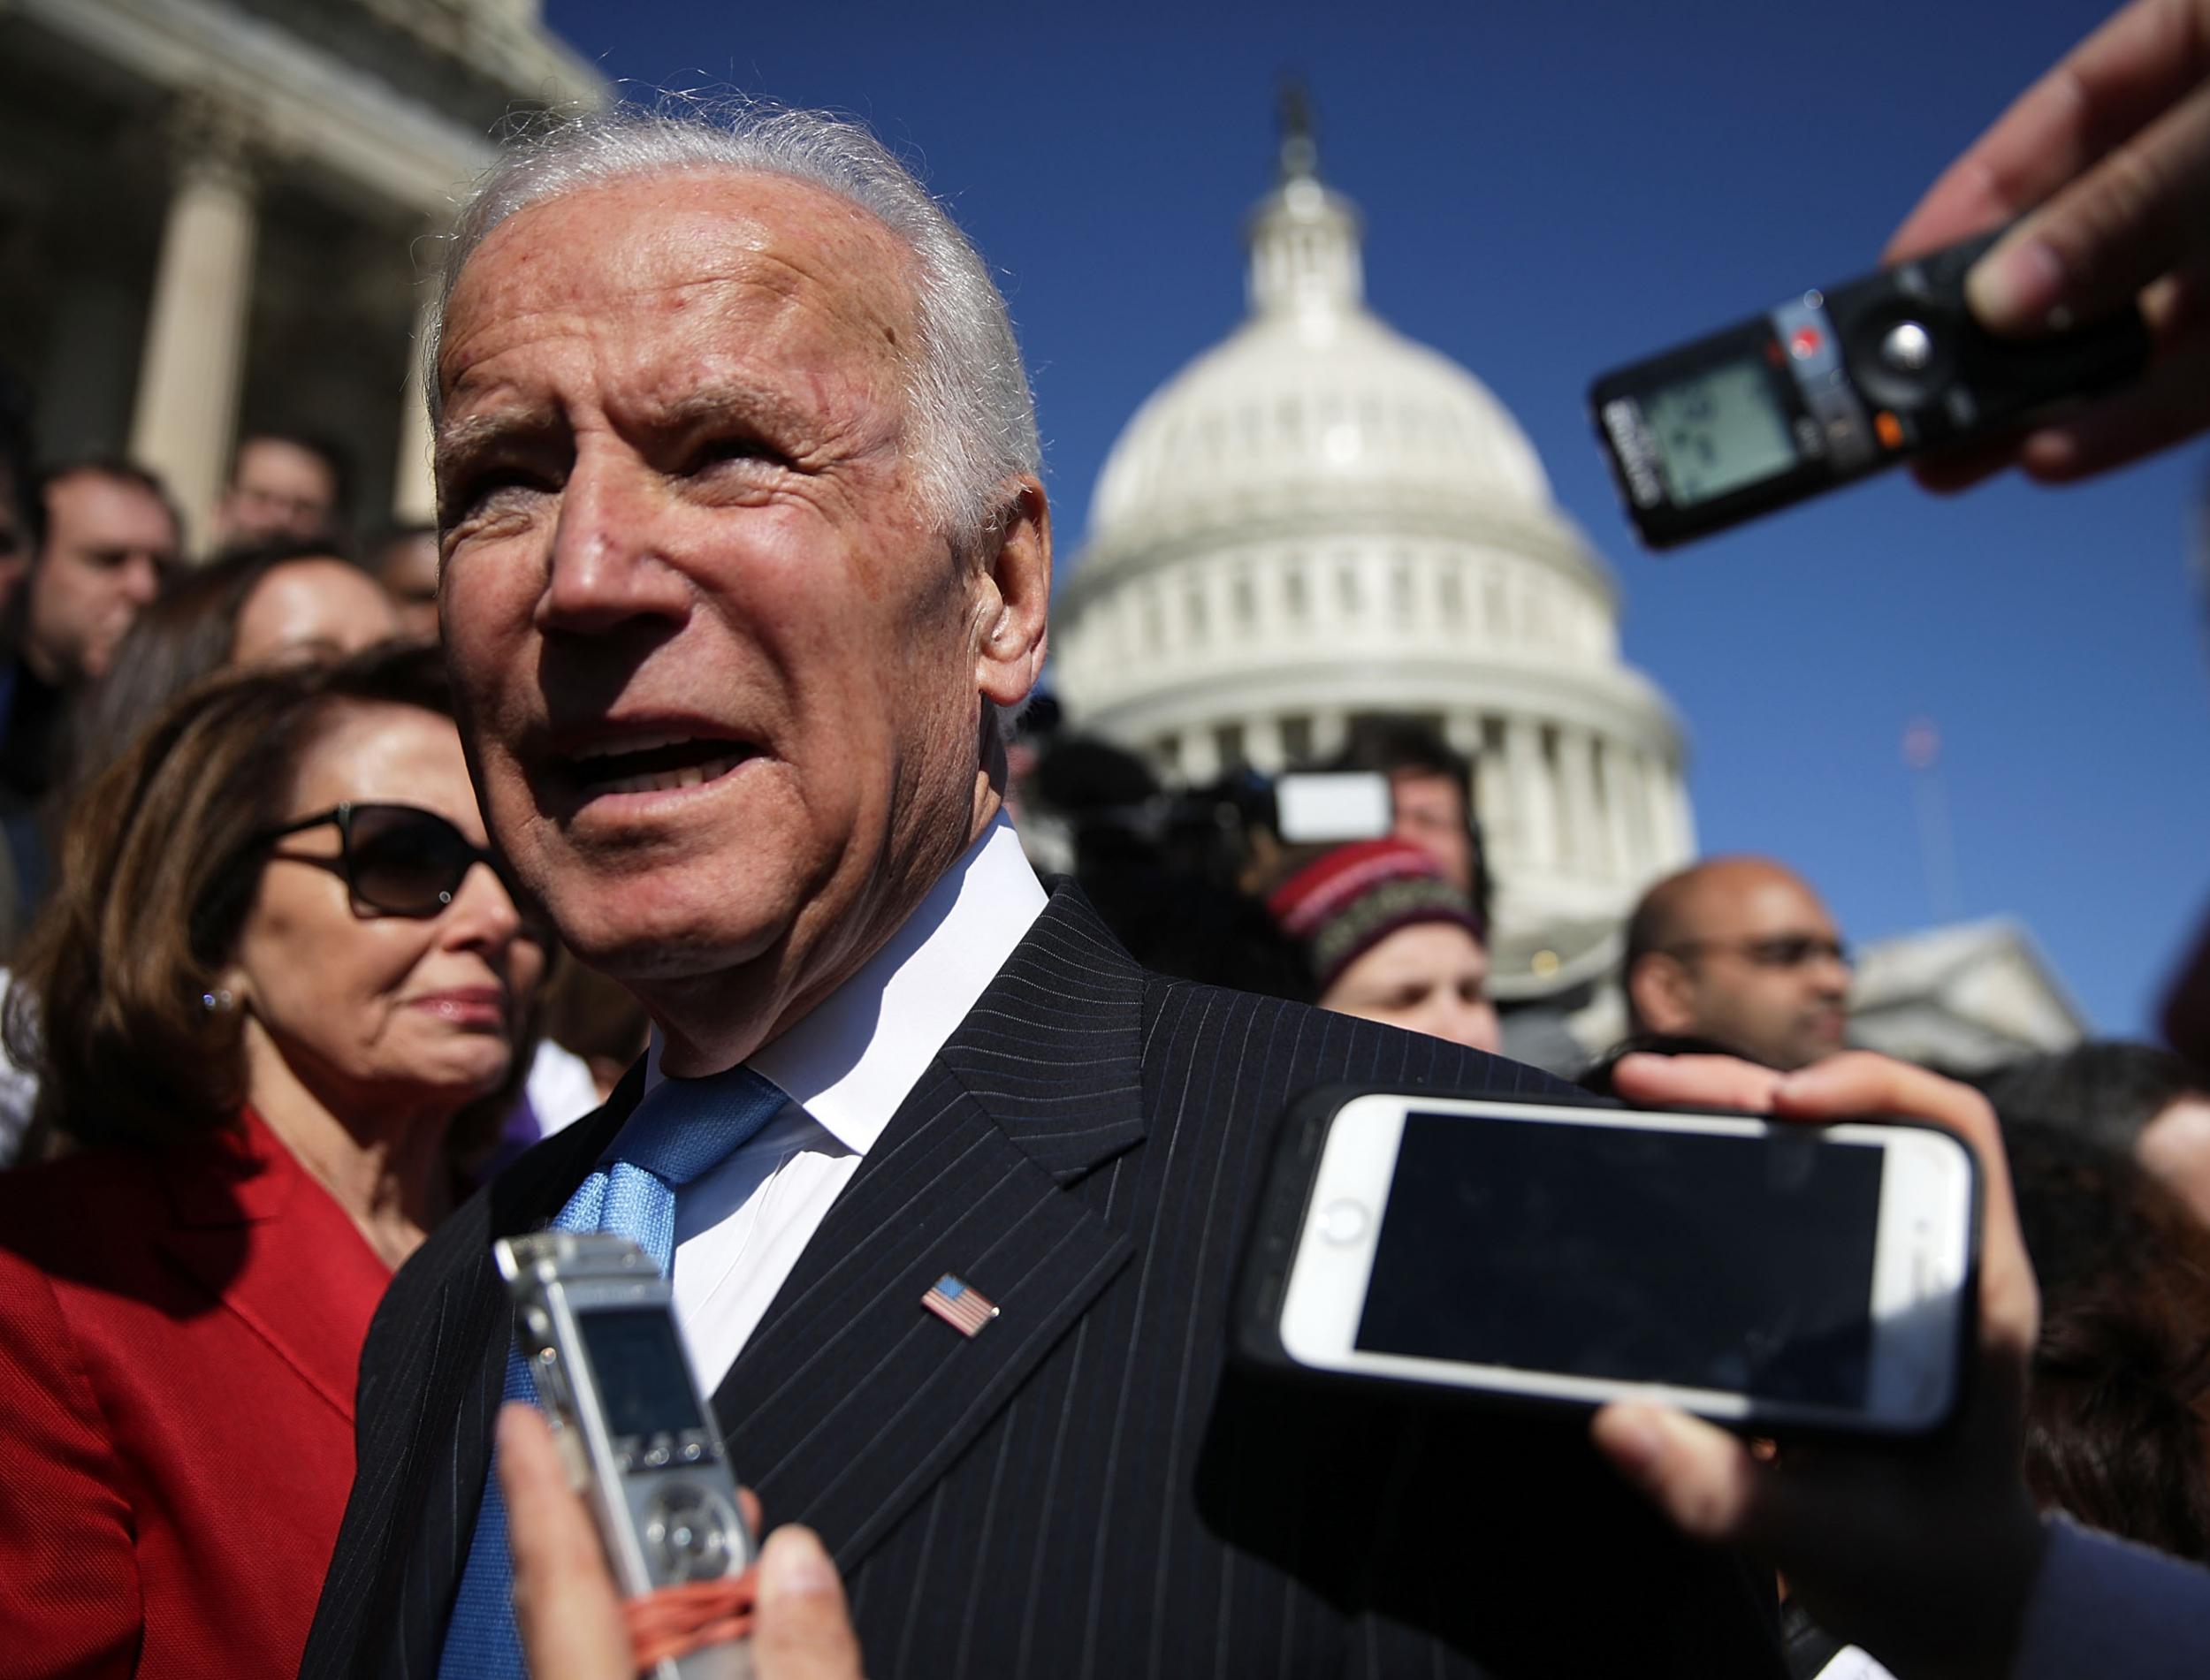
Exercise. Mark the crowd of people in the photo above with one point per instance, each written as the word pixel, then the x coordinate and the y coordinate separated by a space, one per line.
pixel 635 851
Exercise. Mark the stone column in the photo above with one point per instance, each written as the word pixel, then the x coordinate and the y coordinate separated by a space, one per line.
pixel 1611 761
pixel 184 424
pixel 1643 857
pixel 414 485
pixel 1200 756
pixel 1262 742
pixel 1683 814
pixel 1581 839
pixel 1535 812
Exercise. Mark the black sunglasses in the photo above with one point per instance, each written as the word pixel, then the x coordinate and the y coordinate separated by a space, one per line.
pixel 399 859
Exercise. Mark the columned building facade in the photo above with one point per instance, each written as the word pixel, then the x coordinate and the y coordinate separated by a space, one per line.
pixel 210 210
pixel 1319 518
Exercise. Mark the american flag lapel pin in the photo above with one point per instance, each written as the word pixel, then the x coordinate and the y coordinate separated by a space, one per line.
pixel 961 1305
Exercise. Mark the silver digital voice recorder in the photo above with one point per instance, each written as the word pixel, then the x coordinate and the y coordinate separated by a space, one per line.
pixel 593 1322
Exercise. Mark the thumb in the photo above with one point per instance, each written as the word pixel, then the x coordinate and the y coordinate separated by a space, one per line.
pixel 802 1629
pixel 2139 214
pixel 1701 1478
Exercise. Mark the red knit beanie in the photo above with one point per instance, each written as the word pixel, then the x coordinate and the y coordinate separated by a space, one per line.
pixel 1344 903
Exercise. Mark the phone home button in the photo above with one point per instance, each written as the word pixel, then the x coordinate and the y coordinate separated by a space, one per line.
pixel 1343 1222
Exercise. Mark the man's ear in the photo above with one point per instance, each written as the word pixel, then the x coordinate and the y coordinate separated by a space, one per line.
pixel 1013 587
pixel 1657 995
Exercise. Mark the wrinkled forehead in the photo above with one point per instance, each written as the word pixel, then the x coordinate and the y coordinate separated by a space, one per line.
pixel 685 251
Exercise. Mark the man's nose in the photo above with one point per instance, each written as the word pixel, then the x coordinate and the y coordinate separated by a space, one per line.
pixel 610 565
pixel 1831 974
pixel 142 580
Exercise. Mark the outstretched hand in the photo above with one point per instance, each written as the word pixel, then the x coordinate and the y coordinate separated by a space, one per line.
pixel 1923 1555
pixel 2110 153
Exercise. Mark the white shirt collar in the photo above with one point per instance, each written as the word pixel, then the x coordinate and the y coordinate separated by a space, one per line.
pixel 853 1059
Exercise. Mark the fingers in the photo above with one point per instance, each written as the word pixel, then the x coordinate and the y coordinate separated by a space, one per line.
pixel 1854 1084
pixel 2137 65
pixel 1701 1082
pixel 1701 1478
pixel 564 1607
pixel 2139 213
pixel 1857 1082
pixel 802 1629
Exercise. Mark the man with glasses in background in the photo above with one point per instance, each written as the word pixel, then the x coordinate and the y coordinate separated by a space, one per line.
pixel 1740 951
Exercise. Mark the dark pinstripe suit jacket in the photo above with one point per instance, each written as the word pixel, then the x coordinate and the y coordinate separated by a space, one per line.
pixel 1081 1490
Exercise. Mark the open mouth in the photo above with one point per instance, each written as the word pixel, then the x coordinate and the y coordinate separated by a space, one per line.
pixel 655 764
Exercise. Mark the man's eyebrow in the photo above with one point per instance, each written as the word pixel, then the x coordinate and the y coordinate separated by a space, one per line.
pixel 459 438
pixel 725 400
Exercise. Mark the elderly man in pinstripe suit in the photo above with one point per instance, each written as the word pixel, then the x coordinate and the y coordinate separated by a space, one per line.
pixel 745 556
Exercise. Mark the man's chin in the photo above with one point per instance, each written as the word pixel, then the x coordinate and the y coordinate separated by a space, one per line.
pixel 658 943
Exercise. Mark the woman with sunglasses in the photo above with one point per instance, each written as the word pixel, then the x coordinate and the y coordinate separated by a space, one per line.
pixel 279 971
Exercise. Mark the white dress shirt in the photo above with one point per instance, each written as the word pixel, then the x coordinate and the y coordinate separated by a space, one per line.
pixel 845 1067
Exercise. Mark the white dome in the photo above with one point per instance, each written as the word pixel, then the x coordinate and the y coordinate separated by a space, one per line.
pixel 1313 402
pixel 1301 404
pixel 1319 520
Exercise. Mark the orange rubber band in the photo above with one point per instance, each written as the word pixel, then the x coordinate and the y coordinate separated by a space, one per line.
pixel 674 1621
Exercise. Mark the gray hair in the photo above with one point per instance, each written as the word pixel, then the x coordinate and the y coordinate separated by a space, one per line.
pixel 968 387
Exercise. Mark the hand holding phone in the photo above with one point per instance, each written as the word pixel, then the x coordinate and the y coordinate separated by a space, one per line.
pixel 1924 1556
pixel 1783 1280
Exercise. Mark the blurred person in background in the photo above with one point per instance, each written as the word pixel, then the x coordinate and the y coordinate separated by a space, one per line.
pixel 1431 797
pixel 1389 938
pixel 2135 1100
pixel 1161 870
pixel 281 603
pixel 1740 951
pixel 22 515
pixel 22 527
pixel 279 971
pixel 283 484
pixel 405 564
pixel 109 537
pixel 2118 1393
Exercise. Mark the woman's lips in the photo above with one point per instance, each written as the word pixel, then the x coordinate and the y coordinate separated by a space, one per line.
pixel 482 1008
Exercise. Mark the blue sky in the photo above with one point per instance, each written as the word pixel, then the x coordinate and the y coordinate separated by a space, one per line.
pixel 1549 190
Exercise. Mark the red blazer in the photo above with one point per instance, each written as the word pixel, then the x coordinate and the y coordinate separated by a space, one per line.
pixel 178 1333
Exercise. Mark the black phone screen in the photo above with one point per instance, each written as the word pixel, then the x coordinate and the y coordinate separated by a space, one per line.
pixel 643 1385
pixel 1738 1264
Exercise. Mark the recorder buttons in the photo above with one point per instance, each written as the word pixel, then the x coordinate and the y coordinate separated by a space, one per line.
pixel 1907 346
pixel 687 1531
pixel 1343 1222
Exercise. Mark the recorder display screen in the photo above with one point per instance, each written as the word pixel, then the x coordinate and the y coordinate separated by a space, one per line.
pixel 1719 431
pixel 643 1382
pixel 1725 1263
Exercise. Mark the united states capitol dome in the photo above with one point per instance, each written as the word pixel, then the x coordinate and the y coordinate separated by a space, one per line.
pixel 1319 519
pixel 1313 400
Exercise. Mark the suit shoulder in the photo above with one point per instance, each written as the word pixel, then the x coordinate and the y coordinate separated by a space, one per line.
pixel 1303 1047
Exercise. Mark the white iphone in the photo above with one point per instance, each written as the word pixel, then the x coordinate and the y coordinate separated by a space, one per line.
pixel 1774 1276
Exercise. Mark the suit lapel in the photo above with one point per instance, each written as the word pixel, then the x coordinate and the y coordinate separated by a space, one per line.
pixel 447 1419
pixel 852 1400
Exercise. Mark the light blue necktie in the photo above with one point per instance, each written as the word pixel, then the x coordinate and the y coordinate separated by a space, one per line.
pixel 682 1129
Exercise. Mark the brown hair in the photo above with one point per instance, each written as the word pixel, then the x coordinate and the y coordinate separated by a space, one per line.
pixel 115 998
pixel 2118 1404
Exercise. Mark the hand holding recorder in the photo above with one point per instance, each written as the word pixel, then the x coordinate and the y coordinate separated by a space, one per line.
pixel 570 1621
pixel 1926 1557
pixel 2112 146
